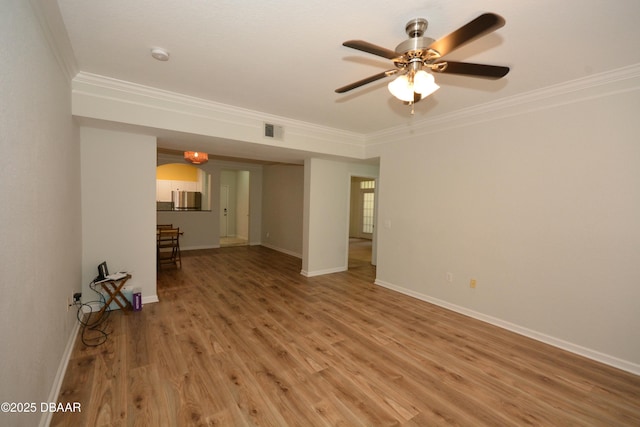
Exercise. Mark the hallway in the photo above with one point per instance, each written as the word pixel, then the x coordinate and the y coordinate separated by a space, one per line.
pixel 359 252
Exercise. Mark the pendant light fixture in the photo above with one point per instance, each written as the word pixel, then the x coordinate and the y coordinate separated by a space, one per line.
pixel 196 157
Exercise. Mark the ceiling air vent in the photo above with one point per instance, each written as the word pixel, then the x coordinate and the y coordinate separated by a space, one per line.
pixel 273 131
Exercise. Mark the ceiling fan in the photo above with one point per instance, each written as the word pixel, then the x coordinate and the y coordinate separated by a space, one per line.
pixel 413 56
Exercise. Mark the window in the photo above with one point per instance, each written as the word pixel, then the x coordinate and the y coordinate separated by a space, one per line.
pixel 367 185
pixel 368 200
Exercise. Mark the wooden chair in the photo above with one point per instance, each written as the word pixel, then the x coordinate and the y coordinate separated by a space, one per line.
pixel 164 226
pixel 168 247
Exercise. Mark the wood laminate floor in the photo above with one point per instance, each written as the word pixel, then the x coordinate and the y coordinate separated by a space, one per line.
pixel 359 252
pixel 240 338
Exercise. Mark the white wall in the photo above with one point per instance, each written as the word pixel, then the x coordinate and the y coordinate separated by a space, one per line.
pixel 326 213
pixel 200 229
pixel 282 207
pixel 542 207
pixel 119 208
pixel 40 247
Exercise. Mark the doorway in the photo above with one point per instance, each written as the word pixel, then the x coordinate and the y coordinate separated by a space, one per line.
pixel 234 207
pixel 224 211
pixel 362 210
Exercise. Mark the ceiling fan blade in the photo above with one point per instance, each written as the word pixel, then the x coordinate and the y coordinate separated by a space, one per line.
pixel 371 48
pixel 483 24
pixel 468 69
pixel 363 82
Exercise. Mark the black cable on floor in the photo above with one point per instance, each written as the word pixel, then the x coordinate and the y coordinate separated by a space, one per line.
pixel 93 326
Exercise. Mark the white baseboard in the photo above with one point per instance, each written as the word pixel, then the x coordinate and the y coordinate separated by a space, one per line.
pixel 45 420
pixel 538 336
pixel 150 299
pixel 321 272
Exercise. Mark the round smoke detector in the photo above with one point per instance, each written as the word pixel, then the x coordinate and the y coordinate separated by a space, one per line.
pixel 160 54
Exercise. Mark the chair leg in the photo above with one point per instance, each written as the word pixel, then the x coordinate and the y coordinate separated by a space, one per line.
pixel 171 255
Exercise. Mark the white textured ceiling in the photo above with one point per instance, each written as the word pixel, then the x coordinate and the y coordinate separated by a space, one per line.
pixel 285 57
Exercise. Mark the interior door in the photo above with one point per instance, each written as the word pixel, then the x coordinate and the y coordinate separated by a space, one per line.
pixel 224 210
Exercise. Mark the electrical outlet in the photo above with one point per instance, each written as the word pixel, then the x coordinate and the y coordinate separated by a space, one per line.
pixel 73 300
pixel 473 283
pixel 449 277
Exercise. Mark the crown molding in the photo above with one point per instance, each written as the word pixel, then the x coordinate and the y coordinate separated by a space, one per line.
pixel 54 31
pixel 99 86
pixel 611 82
pixel 327 140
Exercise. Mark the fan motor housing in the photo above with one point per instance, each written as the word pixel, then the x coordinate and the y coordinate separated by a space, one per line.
pixel 414 44
pixel 417 46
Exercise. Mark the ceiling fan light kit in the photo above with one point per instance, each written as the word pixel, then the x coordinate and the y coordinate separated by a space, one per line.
pixel 406 86
pixel 424 83
pixel 414 56
pixel 402 88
